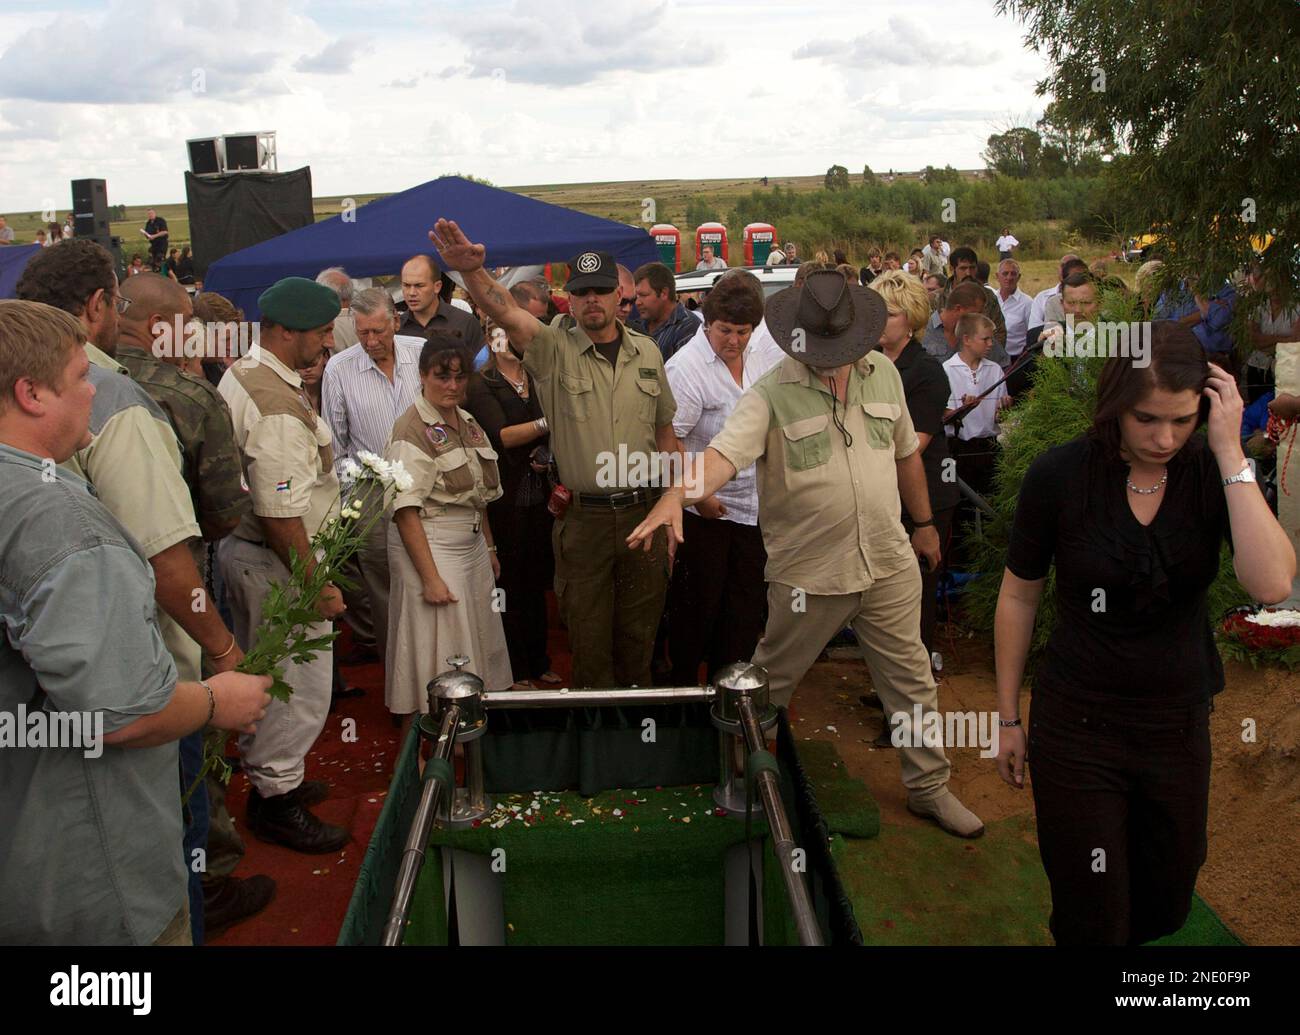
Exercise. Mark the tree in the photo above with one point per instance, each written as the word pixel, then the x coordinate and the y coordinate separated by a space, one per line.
pixel 837 178
pixel 1067 150
pixel 868 177
pixel 947 174
pixel 700 210
pixel 1202 101
pixel 1015 153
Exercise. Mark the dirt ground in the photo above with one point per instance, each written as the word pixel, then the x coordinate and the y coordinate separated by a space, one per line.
pixel 1252 876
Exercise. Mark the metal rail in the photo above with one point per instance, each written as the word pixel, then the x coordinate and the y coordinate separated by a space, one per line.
pixel 588 698
pixel 783 846
pixel 421 825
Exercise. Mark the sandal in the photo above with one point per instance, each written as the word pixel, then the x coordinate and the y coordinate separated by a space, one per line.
pixel 551 678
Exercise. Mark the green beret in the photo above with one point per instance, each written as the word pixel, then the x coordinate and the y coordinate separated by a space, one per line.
pixel 299 304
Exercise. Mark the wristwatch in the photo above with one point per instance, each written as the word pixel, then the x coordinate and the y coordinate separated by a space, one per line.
pixel 1246 474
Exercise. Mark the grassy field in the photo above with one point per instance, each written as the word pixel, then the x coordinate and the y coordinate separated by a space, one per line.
pixel 621 201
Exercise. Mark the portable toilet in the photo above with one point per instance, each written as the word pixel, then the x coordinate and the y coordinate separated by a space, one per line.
pixel 760 239
pixel 668 240
pixel 713 234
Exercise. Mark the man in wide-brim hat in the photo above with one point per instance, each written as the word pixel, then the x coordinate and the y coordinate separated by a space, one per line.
pixel 829 430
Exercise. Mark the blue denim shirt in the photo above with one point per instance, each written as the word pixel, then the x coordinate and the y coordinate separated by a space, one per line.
pixel 89 846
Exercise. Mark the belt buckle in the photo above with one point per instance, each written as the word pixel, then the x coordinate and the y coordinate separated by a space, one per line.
pixel 623 500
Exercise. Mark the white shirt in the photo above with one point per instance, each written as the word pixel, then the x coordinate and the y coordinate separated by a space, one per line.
pixel 716 263
pixel 981 422
pixel 1015 310
pixel 706 393
pixel 360 404
pixel 1036 318
pixel 1006 243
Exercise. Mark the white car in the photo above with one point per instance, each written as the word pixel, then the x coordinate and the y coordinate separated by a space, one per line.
pixel 697 283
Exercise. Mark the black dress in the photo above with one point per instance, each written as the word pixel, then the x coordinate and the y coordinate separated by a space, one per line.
pixel 1119 743
pixel 521 524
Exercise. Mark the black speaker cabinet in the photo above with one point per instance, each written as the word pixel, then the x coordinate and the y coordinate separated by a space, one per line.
pixel 90 208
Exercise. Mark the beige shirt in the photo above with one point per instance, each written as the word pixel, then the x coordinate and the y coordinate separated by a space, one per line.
pixel 830 514
pixel 285 447
pixel 593 409
pixel 450 468
pixel 134 462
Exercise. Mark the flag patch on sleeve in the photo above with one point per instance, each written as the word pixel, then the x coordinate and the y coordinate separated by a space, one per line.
pixel 283 486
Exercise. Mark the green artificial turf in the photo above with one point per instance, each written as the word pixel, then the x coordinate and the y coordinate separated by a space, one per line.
pixel 844 801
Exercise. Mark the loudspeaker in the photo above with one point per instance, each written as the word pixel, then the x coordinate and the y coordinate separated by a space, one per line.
pixel 242 153
pixel 90 208
pixel 206 158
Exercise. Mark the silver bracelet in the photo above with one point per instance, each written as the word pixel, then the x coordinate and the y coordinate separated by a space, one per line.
pixel 212 701
pixel 540 424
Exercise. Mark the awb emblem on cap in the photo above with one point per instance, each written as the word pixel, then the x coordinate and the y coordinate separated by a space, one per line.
pixel 588 262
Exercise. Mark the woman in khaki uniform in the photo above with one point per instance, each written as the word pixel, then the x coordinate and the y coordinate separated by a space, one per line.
pixel 440 549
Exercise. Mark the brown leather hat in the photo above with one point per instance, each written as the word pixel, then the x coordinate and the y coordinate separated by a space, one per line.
pixel 827 322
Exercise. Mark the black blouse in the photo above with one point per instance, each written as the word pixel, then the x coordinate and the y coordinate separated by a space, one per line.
pixel 496 405
pixel 1131 613
pixel 926 388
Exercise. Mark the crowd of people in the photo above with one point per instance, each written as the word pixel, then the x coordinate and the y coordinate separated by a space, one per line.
pixel 799 450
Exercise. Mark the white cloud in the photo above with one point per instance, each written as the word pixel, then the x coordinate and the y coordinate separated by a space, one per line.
pixel 901 43
pixel 336 57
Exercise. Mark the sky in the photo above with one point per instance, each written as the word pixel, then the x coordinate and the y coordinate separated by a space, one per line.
pixel 381 96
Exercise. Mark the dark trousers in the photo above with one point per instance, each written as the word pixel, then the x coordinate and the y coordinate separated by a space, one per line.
pixel 717 601
pixel 1258 382
pixel 930 576
pixel 195 815
pixel 1121 794
pixel 523 540
pixel 976 459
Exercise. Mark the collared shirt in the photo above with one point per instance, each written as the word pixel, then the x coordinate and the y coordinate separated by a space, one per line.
pixel 1015 310
pixel 933 262
pixel 830 513
pixel 449 467
pixel 706 393
pixel 596 413
pixel 934 341
pixel 1037 310
pixel 91 847
pixel 451 322
pixel 981 422
pixel 201 421
pixel 135 464
pixel 680 327
pixel 360 404
pixel 716 263
pixel 1006 243
pixel 344 332
pixel 288 458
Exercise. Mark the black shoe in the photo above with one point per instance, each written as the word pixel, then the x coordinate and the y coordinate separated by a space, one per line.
pixel 871 700
pixel 361 654
pixel 311 792
pixel 284 820
pixel 885 740
pixel 229 901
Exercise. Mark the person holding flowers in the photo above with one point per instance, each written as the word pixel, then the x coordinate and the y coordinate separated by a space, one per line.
pixel 1133 515
pixel 442 599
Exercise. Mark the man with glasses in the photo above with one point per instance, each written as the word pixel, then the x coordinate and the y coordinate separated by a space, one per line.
pixel 606 398
pixel 664 318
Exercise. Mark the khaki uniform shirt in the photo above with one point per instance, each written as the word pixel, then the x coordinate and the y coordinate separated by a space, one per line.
pixel 287 455
pixel 592 409
pixel 448 468
pixel 829 513
pixel 134 463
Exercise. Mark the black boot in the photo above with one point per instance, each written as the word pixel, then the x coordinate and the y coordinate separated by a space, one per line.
pixel 284 820
pixel 231 900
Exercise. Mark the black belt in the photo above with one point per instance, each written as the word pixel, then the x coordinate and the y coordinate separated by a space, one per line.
pixel 618 500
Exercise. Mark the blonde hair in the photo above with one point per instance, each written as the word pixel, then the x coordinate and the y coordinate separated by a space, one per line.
pixel 36 341
pixel 971 324
pixel 903 293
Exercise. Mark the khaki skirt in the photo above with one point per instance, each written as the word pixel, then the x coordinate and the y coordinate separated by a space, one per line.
pixel 421 637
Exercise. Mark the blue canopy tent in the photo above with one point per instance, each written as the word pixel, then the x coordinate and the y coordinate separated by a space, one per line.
pixel 13 260
pixel 377 238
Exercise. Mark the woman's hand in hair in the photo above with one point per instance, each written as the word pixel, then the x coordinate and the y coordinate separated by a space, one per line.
pixel 1224 426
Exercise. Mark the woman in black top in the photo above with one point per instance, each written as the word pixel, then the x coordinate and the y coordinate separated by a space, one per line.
pixel 503 399
pixel 1133 515
pixel 926 388
pixel 185 267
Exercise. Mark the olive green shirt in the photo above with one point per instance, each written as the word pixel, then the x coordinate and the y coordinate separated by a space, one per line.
pixel 449 467
pixel 593 409
pixel 134 463
pixel 830 513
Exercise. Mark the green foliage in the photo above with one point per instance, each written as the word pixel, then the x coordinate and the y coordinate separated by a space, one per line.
pixel 700 209
pixel 1058 409
pixel 1202 100
pixel 868 177
pixel 947 174
pixel 1016 153
pixel 837 178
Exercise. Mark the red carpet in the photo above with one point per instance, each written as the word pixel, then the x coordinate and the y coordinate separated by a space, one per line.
pixel 313 891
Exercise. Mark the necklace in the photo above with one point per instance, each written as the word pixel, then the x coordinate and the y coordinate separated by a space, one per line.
pixel 1151 491
pixel 518 386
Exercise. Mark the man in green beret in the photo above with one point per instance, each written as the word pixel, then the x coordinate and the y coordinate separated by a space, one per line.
pixel 289 465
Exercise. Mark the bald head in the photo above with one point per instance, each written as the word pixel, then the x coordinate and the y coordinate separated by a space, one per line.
pixel 149 322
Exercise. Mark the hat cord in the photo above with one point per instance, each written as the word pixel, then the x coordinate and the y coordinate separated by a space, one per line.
pixel 835 417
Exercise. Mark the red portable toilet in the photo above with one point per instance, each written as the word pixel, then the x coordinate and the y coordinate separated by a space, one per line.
pixel 668 239
pixel 760 239
pixel 713 234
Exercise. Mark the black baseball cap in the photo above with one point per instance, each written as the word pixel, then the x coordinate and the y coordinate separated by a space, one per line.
pixel 592 270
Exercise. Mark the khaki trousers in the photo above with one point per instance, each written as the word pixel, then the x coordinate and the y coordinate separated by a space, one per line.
pixel 610 597
pixel 887 620
pixel 274 755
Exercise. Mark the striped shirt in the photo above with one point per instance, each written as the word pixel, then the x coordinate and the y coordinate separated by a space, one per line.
pixel 706 393
pixel 360 404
